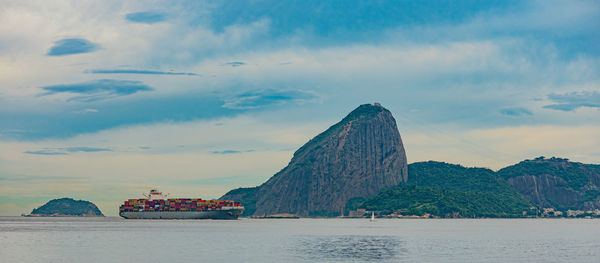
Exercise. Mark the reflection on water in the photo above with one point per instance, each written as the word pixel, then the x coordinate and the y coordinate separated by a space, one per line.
pixel 350 248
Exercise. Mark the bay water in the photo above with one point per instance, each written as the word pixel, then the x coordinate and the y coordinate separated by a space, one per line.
pixel 112 239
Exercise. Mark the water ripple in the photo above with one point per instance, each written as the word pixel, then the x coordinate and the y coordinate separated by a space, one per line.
pixel 350 248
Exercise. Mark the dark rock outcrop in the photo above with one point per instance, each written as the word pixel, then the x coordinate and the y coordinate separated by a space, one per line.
pixel 545 190
pixel 357 157
pixel 67 207
pixel 556 182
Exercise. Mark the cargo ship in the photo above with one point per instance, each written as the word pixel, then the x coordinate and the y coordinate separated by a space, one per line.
pixel 155 206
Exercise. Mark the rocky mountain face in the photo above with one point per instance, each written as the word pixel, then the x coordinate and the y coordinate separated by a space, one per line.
pixel 358 157
pixel 556 182
pixel 67 207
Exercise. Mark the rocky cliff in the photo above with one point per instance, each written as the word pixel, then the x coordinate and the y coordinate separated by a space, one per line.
pixel 556 182
pixel 357 157
pixel 67 207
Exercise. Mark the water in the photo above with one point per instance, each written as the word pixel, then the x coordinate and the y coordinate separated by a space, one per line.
pixel 298 240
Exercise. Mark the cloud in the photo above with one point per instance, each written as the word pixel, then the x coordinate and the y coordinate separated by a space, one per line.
pixel 67 150
pixel 88 110
pixel 147 17
pixel 268 97
pixel 13 132
pixel 574 100
pixel 516 112
pixel 346 19
pixel 46 152
pixel 70 46
pixel 66 120
pixel 226 152
pixel 235 63
pixel 231 151
pixel 98 89
pixel 342 76
pixel 138 71
pixel 86 149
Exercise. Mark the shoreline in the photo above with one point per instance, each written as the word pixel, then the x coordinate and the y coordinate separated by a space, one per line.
pixel 59 215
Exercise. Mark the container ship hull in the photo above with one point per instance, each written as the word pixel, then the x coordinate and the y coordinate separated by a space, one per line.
pixel 155 206
pixel 231 214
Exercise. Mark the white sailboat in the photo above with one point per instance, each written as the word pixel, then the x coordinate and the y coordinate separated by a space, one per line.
pixel 372 216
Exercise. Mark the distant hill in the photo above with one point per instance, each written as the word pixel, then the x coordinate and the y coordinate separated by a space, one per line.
pixel 442 189
pixel 419 200
pixel 67 207
pixel 556 182
pixel 456 177
pixel 357 157
pixel 449 190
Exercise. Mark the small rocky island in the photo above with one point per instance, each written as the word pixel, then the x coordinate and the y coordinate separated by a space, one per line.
pixel 67 207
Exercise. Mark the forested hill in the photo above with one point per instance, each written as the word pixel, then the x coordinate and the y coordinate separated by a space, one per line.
pixel 67 207
pixel 420 200
pixel 449 190
pixel 456 177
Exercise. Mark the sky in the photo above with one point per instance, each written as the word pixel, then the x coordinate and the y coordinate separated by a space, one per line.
pixel 103 100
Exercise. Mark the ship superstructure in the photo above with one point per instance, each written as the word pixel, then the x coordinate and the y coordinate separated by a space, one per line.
pixel 155 206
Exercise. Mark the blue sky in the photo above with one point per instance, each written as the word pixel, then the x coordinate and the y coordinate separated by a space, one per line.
pixel 187 90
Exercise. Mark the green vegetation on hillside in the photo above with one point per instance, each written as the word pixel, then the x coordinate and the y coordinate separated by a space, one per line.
pixel 444 190
pixel 458 178
pixel 353 204
pixel 419 200
pixel 67 206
